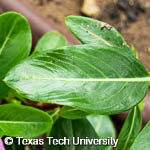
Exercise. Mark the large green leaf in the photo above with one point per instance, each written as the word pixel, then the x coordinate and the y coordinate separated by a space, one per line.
pixel 104 128
pixel 92 31
pixel 130 129
pixel 95 79
pixel 72 113
pixel 142 142
pixel 23 121
pixel 50 40
pixel 15 43
pixel 77 128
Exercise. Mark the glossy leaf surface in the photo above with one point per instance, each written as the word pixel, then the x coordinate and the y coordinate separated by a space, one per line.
pixel 50 40
pixel 142 140
pixel 23 121
pixel 95 79
pixel 130 129
pixel 69 129
pixel 15 43
pixel 103 126
pixel 72 113
pixel 92 31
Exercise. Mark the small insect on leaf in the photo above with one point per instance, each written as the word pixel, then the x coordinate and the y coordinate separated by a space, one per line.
pixel 106 26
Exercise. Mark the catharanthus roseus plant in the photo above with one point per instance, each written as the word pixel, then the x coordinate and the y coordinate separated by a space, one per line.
pixel 86 82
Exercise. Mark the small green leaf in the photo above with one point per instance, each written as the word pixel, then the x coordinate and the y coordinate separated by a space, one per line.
pixel 91 31
pixel 104 128
pixel 50 40
pixel 142 142
pixel 130 129
pixel 89 77
pixel 72 113
pixel 23 121
pixel 73 128
pixel 15 43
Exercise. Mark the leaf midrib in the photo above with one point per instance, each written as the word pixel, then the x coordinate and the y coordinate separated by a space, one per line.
pixel 96 36
pixel 142 79
pixel 131 129
pixel 22 122
pixel 8 36
pixel 98 126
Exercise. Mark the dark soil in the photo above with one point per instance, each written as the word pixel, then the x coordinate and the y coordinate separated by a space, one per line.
pixel 130 17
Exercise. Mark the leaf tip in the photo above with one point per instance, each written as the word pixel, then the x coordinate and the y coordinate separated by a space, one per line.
pixel 67 19
pixel 5 79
